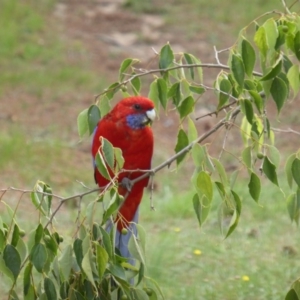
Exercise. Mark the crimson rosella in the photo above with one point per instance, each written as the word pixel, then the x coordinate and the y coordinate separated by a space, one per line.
pixel 126 127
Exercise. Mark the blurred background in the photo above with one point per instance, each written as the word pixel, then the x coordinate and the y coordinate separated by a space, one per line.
pixel 55 56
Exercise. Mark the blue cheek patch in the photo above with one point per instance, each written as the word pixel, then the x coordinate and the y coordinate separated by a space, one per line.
pixel 136 121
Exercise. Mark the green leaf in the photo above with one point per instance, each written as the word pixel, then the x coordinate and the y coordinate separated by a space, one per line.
pixel 2 241
pixel 22 249
pixel 113 206
pixel 248 56
pixel 297 44
pixel 247 109
pixel 64 290
pixel 82 123
pixel 27 279
pixel 93 117
pixel 15 236
pixel 101 165
pixel 102 260
pixel 189 60
pixel 197 89
pixel 38 233
pixel 104 105
pixel 126 64
pixel 296 287
pixel 140 294
pixel 271 33
pixel 136 85
pixel 108 152
pixel 12 259
pixel 50 241
pixel 77 247
pixel 204 185
pixel 201 207
pixel 247 157
pixel 279 92
pixel 269 170
pixel 111 90
pixel 162 92
pixel 186 107
pixel 50 289
pixel 249 85
pixel 225 89
pixel 201 158
pixel 274 155
pixel 5 270
pixel 236 215
pixel 192 130
pixel 287 64
pixel 288 169
pixel 192 60
pixel 166 57
pixel 175 93
pixel 260 40
pixel 136 249
pixel 254 187
pixel 87 266
pixel 66 261
pixel 258 101
pixel 291 295
pixel 182 142
pixel 296 170
pixel 273 72
pixel 153 94
pixel 117 271
pixel 38 257
pixel 107 243
pixel 237 69
pixel 221 171
pixel 293 76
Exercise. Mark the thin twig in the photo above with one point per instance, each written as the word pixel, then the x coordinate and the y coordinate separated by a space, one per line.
pixel 216 111
pixel 289 130
pixel 153 71
pixel 285 6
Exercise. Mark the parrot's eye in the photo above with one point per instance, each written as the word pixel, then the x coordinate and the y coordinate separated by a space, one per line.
pixel 137 106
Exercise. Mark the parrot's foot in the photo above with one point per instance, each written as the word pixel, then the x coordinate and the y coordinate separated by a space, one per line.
pixel 127 184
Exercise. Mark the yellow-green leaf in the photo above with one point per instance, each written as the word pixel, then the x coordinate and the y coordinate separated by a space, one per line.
pixel 237 69
pixel 279 92
pixel 254 186
pixel 248 56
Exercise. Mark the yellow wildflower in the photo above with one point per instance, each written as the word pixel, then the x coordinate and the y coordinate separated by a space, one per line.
pixel 197 252
pixel 245 278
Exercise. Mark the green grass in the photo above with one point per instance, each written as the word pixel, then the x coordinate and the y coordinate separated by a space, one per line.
pixel 212 21
pixel 24 160
pixel 33 58
pixel 264 248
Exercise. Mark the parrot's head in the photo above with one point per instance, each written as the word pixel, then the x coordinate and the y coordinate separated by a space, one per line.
pixel 138 111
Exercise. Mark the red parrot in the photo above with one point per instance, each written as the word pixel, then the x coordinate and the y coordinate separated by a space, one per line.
pixel 126 127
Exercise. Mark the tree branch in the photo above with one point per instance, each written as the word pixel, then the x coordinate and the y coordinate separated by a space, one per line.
pixel 154 71
pixel 289 130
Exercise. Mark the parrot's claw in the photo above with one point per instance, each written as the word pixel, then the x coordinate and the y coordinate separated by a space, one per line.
pixel 127 184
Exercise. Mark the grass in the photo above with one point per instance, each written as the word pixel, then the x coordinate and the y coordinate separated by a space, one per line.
pixel 32 57
pixel 258 261
pixel 33 60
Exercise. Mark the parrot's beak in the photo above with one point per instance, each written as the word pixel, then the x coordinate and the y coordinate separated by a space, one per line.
pixel 150 114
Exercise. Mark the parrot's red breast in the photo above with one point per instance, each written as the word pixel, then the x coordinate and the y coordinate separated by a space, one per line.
pixel 126 127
